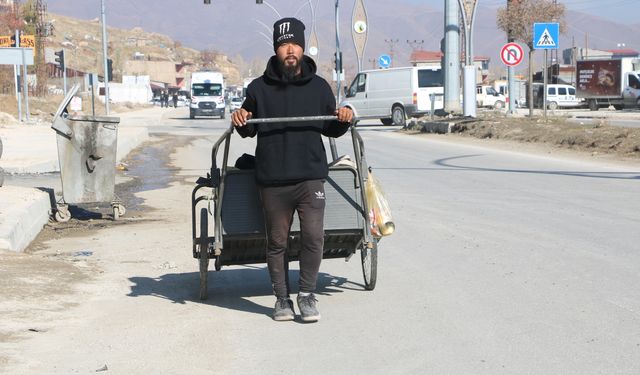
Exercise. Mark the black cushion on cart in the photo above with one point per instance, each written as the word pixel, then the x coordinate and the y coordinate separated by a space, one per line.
pixel 246 161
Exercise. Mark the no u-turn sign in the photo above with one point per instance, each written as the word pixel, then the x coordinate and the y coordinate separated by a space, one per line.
pixel 512 54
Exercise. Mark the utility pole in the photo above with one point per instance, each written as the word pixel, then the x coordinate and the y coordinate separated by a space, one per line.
pixel 373 63
pixel 104 55
pixel 43 30
pixel 392 43
pixel 451 53
pixel 415 44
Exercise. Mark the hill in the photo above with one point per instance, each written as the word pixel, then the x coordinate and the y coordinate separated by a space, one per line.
pixel 82 41
pixel 239 31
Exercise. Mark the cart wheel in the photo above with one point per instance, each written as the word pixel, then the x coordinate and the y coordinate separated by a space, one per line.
pixel 62 214
pixel 218 264
pixel 370 265
pixel 204 252
pixel 118 211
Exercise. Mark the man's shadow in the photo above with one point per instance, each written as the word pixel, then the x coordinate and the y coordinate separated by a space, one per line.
pixel 230 288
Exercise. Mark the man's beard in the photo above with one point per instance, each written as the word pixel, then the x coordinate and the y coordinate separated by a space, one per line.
pixel 288 72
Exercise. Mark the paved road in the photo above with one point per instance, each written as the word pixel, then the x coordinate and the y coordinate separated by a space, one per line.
pixel 502 263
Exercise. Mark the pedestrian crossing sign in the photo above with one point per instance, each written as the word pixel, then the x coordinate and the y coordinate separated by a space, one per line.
pixel 546 35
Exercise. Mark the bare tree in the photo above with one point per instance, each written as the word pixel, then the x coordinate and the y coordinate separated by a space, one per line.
pixel 517 20
pixel 208 58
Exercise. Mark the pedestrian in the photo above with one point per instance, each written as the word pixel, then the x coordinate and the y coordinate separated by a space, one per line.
pixel 174 98
pixel 291 162
pixel 162 99
pixel 165 99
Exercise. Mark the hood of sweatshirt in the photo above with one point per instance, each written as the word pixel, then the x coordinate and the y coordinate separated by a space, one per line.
pixel 274 74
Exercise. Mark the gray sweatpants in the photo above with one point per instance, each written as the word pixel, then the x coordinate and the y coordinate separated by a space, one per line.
pixel 279 204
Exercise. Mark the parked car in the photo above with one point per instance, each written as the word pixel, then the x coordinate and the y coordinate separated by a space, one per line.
pixel 235 104
pixel 558 96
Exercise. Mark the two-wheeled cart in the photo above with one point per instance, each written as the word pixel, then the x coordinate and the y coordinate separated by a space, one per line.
pixel 225 203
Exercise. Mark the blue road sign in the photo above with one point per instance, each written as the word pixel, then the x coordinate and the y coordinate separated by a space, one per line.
pixel 546 35
pixel 384 61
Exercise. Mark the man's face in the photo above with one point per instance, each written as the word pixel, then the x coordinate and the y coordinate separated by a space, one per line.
pixel 290 55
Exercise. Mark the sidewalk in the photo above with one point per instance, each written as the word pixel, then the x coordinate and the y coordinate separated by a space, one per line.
pixel 32 149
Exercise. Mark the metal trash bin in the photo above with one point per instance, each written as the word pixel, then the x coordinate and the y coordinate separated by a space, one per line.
pixel 87 156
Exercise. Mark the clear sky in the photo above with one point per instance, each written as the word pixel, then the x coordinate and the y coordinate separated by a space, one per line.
pixel 623 11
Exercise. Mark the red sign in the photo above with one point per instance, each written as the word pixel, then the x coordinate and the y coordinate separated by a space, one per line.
pixel 512 54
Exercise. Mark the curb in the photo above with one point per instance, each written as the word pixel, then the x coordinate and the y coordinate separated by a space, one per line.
pixel 436 127
pixel 25 211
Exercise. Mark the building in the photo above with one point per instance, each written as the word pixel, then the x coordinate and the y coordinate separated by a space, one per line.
pixel 6 4
pixel 571 55
pixel 433 59
pixel 164 75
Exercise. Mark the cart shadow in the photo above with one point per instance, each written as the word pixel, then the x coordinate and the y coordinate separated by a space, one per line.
pixel 230 289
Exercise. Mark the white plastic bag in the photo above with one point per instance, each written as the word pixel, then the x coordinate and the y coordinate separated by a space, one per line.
pixel 379 210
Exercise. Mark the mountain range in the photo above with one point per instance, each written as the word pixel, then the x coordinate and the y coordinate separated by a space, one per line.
pixel 242 27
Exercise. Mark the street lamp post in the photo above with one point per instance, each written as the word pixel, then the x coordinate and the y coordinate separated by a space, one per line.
pixel 104 53
pixel 451 58
pixel 469 92
pixel 270 6
pixel 338 54
pixel 332 141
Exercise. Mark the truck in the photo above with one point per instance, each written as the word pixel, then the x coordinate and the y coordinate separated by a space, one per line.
pixel 207 94
pixel 393 94
pixel 487 96
pixel 605 82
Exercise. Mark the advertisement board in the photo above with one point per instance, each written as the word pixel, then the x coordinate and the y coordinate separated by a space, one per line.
pixel 599 78
pixel 26 41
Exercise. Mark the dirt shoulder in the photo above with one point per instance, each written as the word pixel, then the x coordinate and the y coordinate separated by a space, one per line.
pixel 597 140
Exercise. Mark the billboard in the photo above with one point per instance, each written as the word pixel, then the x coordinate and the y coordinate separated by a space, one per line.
pixel 26 41
pixel 599 78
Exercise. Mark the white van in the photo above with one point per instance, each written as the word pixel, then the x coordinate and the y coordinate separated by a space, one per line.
pixel 393 94
pixel 487 96
pixel 207 94
pixel 558 96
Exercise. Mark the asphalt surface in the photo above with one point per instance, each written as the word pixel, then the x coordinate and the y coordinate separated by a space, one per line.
pixel 501 263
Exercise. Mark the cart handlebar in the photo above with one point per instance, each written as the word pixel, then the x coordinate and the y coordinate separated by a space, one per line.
pixel 293 119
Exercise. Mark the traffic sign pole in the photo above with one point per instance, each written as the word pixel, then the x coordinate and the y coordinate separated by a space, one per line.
pixel 546 37
pixel 16 70
pixel 546 79
pixel 512 89
pixel 511 55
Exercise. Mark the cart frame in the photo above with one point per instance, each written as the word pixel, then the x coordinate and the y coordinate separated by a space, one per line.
pixel 249 245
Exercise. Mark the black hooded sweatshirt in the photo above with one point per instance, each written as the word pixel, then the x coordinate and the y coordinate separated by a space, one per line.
pixel 290 152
